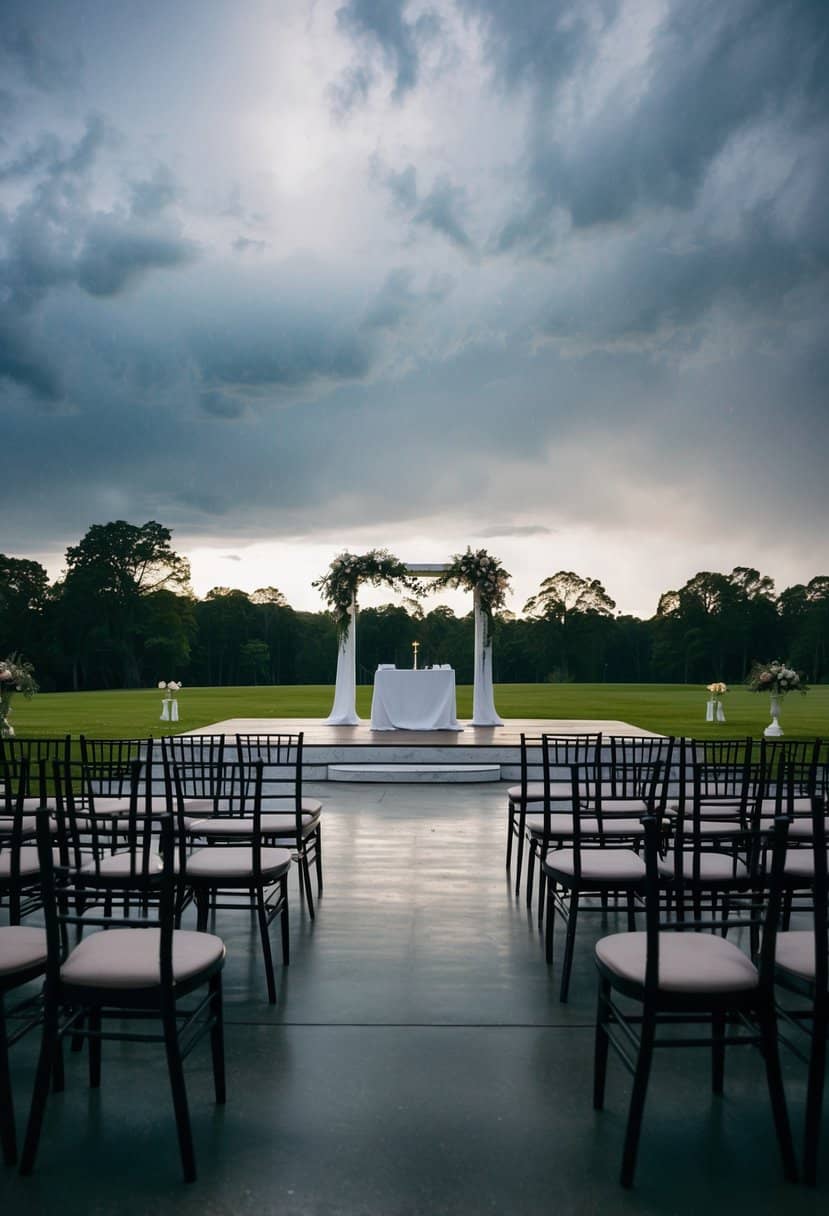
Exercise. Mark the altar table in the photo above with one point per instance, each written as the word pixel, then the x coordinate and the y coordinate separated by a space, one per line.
pixel 414 700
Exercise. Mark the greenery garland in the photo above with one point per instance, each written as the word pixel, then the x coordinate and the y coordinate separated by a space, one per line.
pixel 16 675
pixel 348 570
pixel 480 572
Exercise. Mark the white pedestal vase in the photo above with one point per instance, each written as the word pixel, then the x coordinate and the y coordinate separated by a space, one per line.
pixel 710 711
pixel 774 730
pixel 344 710
pixel 165 710
pixel 483 701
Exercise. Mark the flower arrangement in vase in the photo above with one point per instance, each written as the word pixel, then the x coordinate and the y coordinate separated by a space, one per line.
pixel 169 706
pixel 776 679
pixel 714 711
pixel 16 675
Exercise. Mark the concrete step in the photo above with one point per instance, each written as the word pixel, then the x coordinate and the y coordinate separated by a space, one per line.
pixel 414 773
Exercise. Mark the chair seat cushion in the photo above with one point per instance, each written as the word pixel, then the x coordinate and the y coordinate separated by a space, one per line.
pixel 535 791
pixel 713 867
pixel 800 863
pixel 235 862
pixel 29 863
pixel 795 952
pixel 28 824
pixel 120 864
pixel 688 962
pixel 21 947
pixel 238 825
pixel 603 865
pixel 128 958
pixel 562 825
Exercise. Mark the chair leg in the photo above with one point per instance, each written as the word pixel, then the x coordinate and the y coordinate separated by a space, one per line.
pixel 631 908
pixel 305 883
pixel 510 832
pixel 217 1038
pixel 717 1052
pixel 283 921
pixel 179 1092
pixel 530 873
pixel 48 1047
pixel 318 859
pixel 814 1096
pixel 774 1077
pixel 519 857
pixel 264 933
pixel 542 890
pixel 202 898
pixel 637 1098
pixel 569 945
pixel 7 1135
pixel 549 928
pixel 95 1048
pixel 602 1043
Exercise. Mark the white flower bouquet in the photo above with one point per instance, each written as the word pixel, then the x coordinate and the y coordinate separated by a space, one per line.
pixel 16 675
pixel 776 678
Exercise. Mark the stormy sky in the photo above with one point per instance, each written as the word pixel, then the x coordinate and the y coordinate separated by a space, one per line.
pixel 544 277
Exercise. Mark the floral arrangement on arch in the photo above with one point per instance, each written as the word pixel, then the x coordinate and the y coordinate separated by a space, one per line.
pixel 348 570
pixel 776 678
pixel 16 675
pixel 478 571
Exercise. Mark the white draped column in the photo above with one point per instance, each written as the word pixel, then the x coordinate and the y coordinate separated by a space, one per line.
pixel 483 702
pixel 344 711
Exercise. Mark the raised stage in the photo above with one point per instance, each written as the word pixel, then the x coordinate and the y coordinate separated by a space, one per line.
pixel 358 753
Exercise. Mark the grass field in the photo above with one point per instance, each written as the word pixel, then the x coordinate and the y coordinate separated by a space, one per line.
pixel 667 708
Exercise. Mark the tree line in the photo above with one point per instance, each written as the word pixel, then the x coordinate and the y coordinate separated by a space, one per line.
pixel 123 616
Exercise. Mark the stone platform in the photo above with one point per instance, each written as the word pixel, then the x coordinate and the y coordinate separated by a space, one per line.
pixel 415 756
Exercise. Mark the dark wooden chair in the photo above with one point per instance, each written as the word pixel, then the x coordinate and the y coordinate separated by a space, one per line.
pixel 289 818
pixel 223 858
pixel 137 966
pixel 686 972
pixel 802 969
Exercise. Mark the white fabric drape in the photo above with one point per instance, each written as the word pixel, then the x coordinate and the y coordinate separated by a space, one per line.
pixel 483 701
pixel 344 711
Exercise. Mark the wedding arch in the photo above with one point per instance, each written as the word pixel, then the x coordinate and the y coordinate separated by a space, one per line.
pixel 478 572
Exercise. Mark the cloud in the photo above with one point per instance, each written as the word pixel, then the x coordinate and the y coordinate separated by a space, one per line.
pixel 382 23
pixel 244 244
pixel 115 254
pixel 32 55
pixel 442 209
pixel 153 194
pixel 517 530
pixel 710 73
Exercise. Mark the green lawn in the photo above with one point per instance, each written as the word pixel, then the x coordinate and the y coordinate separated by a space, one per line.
pixel 667 708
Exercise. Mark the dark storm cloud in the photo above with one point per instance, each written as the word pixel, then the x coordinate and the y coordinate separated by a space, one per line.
pixel 383 23
pixel 153 194
pixel 566 265
pixel 536 42
pixel 114 254
pixel 21 364
pixel 55 238
pixel 714 70
pixel 441 209
pixel 31 54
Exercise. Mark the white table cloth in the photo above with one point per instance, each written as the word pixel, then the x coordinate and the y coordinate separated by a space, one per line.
pixel 414 700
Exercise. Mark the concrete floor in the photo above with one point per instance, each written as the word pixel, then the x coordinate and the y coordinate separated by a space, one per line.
pixel 418 1062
